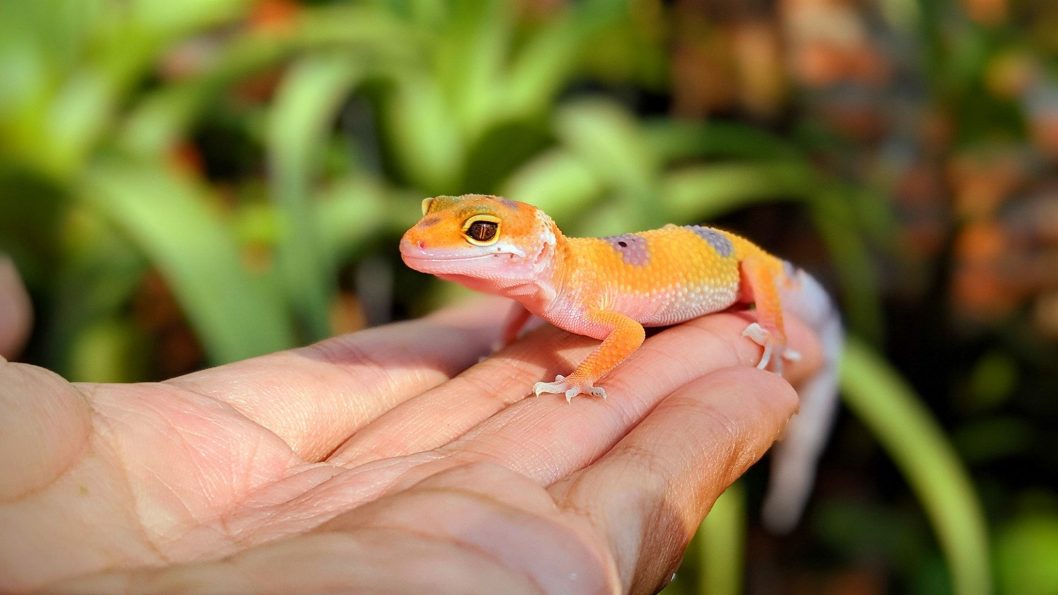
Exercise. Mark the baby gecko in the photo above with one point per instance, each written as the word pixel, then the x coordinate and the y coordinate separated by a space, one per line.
pixel 610 288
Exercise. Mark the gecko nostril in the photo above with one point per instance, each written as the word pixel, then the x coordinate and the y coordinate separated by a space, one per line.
pixel 421 244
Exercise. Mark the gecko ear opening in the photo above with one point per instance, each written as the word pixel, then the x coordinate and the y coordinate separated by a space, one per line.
pixel 426 202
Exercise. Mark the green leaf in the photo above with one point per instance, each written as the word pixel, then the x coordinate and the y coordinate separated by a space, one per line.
pixel 723 538
pixel 234 313
pixel 1026 551
pixel 78 115
pixel 301 118
pixel 549 57
pixel 107 350
pixel 171 19
pixel 835 219
pixel 606 138
pixel 894 414
pixel 558 182
pixel 674 140
pixel 163 116
pixel 425 139
pixel 352 211
pixel 470 57
pixel 701 192
pixel 90 291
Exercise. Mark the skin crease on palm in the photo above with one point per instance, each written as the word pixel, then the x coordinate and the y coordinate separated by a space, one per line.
pixel 385 461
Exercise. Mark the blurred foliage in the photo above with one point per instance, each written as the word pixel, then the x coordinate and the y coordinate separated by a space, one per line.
pixel 184 184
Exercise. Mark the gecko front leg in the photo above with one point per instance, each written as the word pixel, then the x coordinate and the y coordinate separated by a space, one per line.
pixel 623 335
pixel 513 325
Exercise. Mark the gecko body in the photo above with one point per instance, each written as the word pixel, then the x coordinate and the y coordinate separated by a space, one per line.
pixel 610 288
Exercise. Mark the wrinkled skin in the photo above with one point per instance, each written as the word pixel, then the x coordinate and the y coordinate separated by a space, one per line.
pixel 365 463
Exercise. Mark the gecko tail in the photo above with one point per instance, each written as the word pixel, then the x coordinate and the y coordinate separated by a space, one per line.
pixel 794 458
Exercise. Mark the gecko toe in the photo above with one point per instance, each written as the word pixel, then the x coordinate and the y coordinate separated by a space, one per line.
pixel 559 386
pixel 756 333
pixel 765 359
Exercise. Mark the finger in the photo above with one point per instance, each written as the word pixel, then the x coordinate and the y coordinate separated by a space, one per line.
pixel 445 412
pixel 316 396
pixel 546 437
pixel 671 468
pixel 45 424
pixel 501 514
pixel 16 311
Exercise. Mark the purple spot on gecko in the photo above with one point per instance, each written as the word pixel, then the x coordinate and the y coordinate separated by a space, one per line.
pixel 510 204
pixel 632 248
pixel 431 220
pixel 717 240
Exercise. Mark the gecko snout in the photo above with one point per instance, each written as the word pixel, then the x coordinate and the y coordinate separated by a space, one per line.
pixel 414 245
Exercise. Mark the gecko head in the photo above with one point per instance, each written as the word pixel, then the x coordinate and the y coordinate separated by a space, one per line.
pixel 485 242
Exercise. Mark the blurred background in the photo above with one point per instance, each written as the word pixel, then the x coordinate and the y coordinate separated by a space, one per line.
pixel 188 183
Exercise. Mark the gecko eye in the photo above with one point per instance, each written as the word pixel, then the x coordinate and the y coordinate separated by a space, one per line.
pixel 482 230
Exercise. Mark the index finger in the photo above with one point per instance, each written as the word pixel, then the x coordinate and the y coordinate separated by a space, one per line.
pixel 315 397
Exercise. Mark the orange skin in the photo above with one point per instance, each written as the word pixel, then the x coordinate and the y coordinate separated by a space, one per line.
pixel 605 288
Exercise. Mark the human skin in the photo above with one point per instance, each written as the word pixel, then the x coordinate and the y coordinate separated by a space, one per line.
pixel 15 310
pixel 386 461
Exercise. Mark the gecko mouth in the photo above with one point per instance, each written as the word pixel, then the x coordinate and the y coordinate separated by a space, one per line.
pixel 408 258
pixel 450 258
pixel 434 264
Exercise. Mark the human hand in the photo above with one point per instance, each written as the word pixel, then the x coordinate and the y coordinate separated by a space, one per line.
pixel 15 310
pixel 365 463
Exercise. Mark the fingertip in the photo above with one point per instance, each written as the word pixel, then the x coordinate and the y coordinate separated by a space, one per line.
pixel 732 414
pixel 754 395
pixel 45 423
pixel 805 342
pixel 16 310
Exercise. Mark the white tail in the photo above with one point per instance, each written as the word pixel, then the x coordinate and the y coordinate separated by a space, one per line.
pixel 794 458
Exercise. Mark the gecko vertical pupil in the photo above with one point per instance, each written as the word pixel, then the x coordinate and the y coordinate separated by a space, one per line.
pixel 482 231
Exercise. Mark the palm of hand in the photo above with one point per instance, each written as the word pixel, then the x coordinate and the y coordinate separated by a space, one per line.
pixel 357 462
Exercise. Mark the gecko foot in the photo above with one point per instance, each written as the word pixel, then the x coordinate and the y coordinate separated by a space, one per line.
pixel 571 389
pixel 772 347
